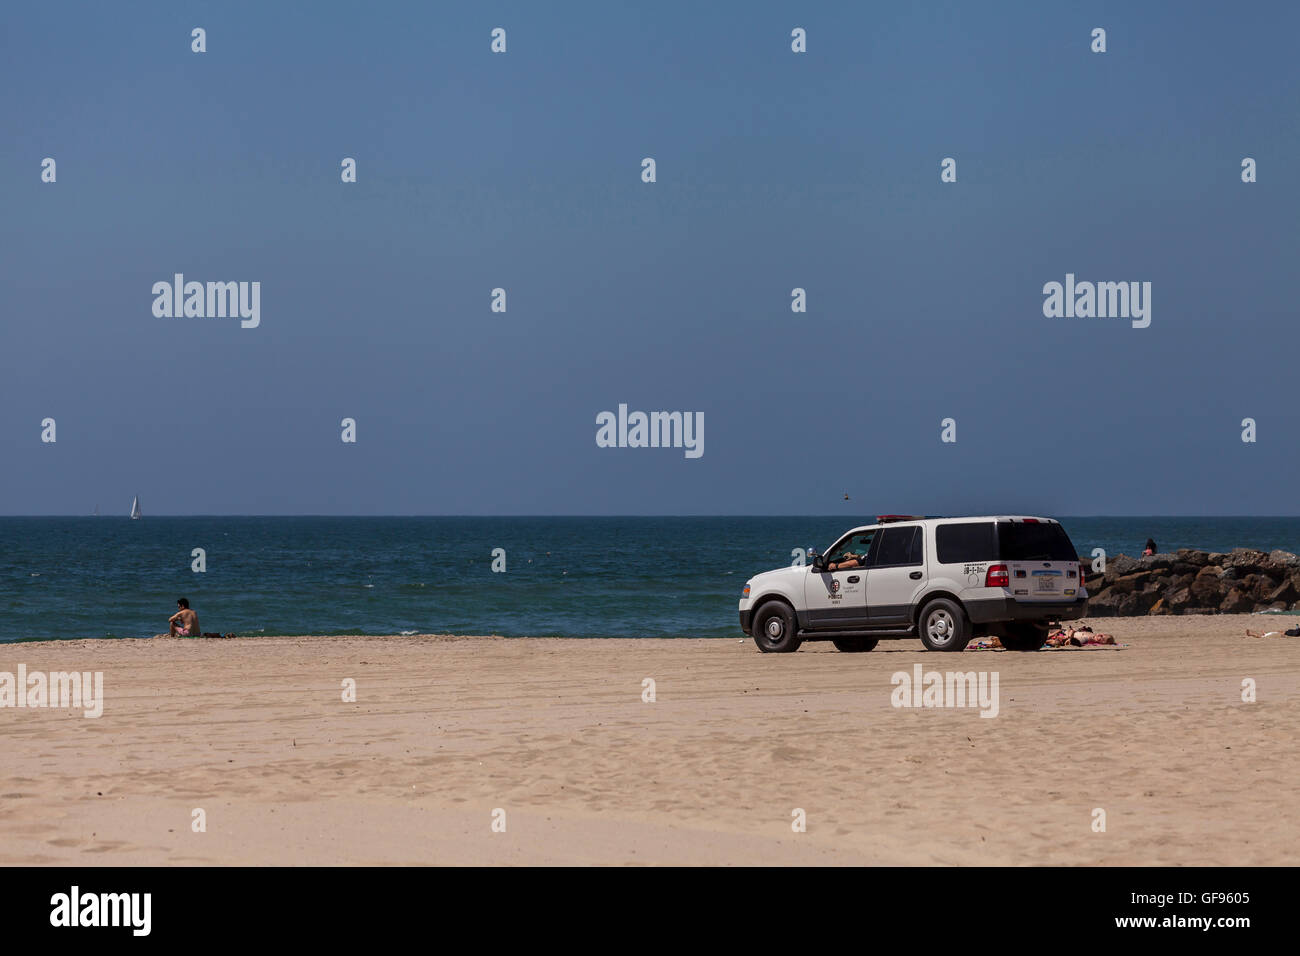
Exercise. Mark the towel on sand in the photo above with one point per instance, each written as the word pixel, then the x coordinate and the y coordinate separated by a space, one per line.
pixel 986 644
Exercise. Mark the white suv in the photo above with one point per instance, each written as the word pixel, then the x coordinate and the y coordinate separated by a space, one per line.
pixel 944 580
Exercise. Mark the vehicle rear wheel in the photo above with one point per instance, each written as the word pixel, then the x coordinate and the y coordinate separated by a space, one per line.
pixel 855 645
pixel 775 629
pixel 943 626
pixel 1024 637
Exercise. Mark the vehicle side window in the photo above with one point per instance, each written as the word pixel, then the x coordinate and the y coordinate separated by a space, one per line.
pixel 1023 541
pixel 898 547
pixel 855 546
pixel 965 543
pixel 915 553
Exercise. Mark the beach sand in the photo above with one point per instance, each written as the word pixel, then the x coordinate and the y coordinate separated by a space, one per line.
pixel 554 732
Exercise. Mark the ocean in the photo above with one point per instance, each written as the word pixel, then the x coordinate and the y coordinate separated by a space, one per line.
pixel 106 577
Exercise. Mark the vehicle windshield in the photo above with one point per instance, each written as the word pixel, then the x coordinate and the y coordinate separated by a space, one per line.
pixel 1019 541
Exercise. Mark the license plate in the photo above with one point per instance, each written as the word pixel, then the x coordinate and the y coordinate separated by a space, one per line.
pixel 1046 583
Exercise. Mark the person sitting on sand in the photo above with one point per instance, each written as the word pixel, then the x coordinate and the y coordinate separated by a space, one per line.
pixel 1150 548
pixel 184 623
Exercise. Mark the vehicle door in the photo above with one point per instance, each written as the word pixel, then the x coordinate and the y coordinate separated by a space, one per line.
pixel 838 598
pixel 895 573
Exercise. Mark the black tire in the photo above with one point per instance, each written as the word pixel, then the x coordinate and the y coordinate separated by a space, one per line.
pixel 775 629
pixel 943 626
pixel 1024 637
pixel 855 645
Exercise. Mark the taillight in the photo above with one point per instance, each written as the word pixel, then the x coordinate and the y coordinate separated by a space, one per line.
pixel 997 577
pixel 1081 573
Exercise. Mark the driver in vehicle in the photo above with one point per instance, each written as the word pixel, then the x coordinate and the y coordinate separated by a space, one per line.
pixel 854 555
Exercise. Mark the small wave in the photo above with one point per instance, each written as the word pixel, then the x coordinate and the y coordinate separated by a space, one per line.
pixel 407 633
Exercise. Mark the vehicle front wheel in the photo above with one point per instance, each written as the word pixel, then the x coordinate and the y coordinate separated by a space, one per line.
pixel 855 645
pixel 944 627
pixel 775 629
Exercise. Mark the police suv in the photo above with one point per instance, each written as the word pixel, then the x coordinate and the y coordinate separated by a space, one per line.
pixel 944 580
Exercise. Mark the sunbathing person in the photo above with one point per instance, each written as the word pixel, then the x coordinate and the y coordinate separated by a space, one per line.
pixel 1293 632
pixel 1080 636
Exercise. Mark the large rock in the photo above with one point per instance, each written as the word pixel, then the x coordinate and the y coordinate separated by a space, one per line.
pixel 1246 560
pixel 1111 604
pixel 1130 582
pixel 1104 604
pixel 1139 602
pixel 1207 590
pixel 1263 586
pixel 1178 601
pixel 1283 559
pixel 1190 556
pixel 1155 562
pixel 1119 565
pixel 1286 592
pixel 1237 601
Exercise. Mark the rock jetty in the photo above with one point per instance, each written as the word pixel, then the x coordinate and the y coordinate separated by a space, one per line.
pixel 1194 582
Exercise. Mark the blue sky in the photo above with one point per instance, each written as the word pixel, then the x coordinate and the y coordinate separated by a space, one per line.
pixel 775 171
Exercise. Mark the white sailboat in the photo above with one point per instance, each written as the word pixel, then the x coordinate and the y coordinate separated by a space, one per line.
pixel 135 508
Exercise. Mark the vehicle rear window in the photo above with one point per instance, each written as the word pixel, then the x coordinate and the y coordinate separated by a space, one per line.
pixel 965 543
pixel 1018 541
pixel 899 546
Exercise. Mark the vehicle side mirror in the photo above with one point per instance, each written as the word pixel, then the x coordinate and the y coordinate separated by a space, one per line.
pixel 819 562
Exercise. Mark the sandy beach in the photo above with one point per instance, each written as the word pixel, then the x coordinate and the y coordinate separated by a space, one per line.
pixel 554 732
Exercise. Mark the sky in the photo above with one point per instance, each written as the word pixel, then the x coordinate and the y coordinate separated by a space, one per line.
pixel 775 170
